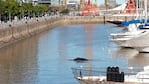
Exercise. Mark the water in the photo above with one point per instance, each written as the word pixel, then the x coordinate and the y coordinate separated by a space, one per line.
pixel 46 58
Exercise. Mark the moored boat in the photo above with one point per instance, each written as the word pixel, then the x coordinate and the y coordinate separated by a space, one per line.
pixel 103 76
pixel 136 36
pixel 132 38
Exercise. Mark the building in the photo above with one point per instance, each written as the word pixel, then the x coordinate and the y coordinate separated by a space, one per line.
pixel 110 3
pixel 44 2
pixel 24 1
pixel 35 2
pixel 62 3
pixel 72 5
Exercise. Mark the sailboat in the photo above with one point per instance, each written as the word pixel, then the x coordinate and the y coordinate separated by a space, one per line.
pixel 131 38
pixel 145 24
pixel 136 38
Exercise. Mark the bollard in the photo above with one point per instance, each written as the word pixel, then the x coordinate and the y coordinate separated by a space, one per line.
pixel 109 74
pixel 116 74
pixel 122 77
pixel 113 74
pixel 104 19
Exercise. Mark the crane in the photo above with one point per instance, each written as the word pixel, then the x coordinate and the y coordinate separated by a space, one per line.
pixel 88 8
pixel 130 7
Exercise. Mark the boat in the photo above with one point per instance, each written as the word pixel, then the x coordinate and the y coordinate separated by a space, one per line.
pixel 131 38
pixel 135 37
pixel 144 25
pixel 118 22
pixel 112 75
pixel 142 49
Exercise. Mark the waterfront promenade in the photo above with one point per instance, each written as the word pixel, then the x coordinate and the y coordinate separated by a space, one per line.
pixel 19 29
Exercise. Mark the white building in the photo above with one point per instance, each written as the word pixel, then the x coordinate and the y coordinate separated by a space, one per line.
pixel 35 2
pixel 72 4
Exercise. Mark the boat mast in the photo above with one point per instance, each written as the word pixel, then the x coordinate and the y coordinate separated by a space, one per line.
pixel 146 14
pixel 137 9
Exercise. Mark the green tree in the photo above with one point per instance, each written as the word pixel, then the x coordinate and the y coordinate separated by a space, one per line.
pixel 11 8
pixel 65 11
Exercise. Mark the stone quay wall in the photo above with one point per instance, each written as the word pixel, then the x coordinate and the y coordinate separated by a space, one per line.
pixel 15 32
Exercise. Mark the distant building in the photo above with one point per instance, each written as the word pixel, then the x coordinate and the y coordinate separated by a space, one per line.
pixel 24 1
pixel 73 5
pixel 35 2
pixel 110 3
pixel 44 2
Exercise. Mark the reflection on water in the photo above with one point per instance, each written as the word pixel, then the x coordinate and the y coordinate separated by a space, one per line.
pixel 44 59
pixel 124 52
pixel 141 59
pixel 18 63
pixel 135 59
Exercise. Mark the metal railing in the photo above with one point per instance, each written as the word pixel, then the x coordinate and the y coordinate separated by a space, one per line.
pixel 98 72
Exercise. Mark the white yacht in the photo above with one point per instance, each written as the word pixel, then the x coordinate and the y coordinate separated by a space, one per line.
pixel 145 25
pixel 132 76
pixel 132 38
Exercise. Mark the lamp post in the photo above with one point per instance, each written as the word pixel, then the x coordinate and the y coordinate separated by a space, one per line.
pixel 9 14
pixel 0 18
pixel 6 14
pixel 8 11
pixel 20 12
pixel 20 8
pixel 12 31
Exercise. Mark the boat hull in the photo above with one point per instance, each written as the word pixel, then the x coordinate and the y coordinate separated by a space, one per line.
pixel 129 79
pixel 140 40
pixel 92 80
pixel 143 49
pixel 131 75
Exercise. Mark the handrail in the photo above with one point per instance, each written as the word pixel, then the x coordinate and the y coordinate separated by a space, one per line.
pixel 97 72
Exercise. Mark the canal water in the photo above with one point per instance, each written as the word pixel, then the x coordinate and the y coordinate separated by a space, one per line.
pixel 47 58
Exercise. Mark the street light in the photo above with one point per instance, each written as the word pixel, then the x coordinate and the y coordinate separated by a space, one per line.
pixel 21 11
pixel 9 12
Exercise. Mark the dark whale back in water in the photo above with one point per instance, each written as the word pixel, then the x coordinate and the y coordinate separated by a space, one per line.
pixel 79 59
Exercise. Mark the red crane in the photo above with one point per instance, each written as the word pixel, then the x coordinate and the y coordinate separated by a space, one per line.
pixel 130 7
pixel 89 9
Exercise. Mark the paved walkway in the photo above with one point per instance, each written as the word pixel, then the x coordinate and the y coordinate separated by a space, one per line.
pixel 24 21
